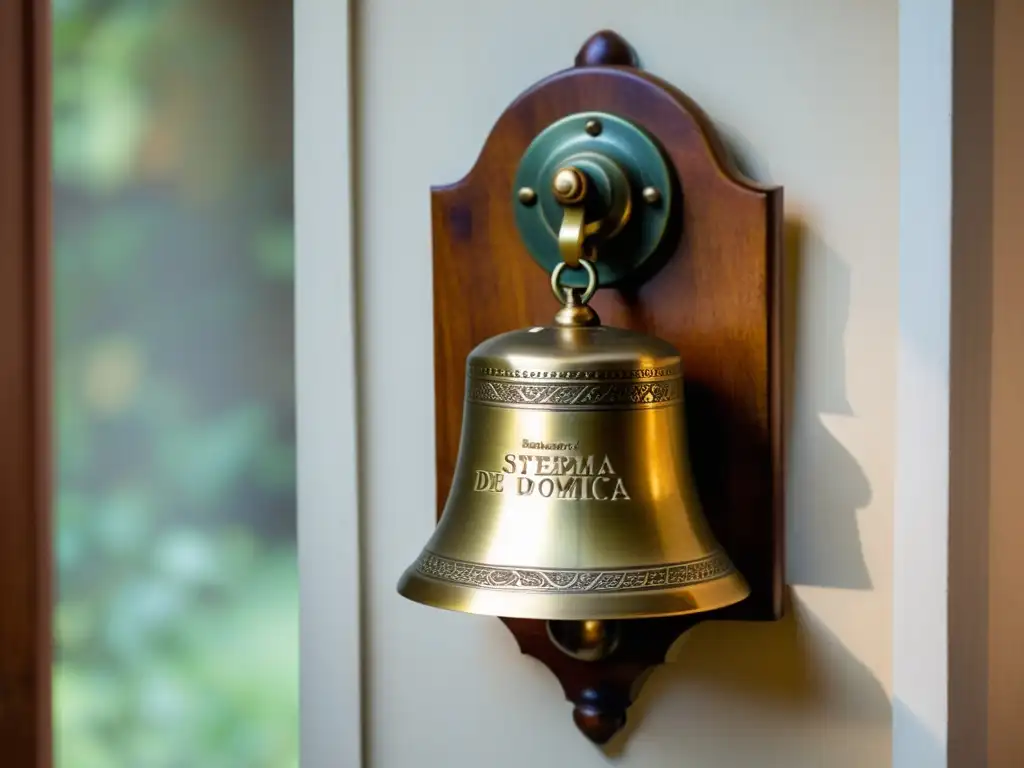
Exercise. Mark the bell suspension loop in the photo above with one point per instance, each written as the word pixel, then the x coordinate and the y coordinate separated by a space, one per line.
pixel 570 188
pixel 575 311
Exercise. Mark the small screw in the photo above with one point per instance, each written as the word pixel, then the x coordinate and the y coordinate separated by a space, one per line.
pixel 527 196
pixel 593 127
pixel 652 195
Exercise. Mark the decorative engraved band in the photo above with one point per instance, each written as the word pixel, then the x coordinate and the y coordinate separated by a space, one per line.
pixel 582 395
pixel 466 574
pixel 638 374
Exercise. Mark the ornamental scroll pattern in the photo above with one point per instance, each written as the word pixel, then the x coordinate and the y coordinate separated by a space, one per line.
pixel 575 395
pixel 668 576
pixel 638 374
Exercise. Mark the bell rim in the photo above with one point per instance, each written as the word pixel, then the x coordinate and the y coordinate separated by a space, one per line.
pixel 698 598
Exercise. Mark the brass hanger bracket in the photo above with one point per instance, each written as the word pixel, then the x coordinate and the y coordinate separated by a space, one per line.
pixel 593 186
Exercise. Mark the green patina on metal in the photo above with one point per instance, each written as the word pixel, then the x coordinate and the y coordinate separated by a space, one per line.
pixel 620 161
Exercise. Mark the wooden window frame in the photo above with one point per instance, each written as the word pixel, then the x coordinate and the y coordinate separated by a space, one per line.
pixel 26 599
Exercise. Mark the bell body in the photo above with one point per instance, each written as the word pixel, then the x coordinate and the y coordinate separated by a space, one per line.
pixel 572 496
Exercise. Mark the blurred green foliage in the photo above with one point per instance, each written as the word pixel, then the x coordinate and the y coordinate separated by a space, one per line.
pixel 177 618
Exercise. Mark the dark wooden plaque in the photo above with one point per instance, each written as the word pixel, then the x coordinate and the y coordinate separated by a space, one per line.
pixel 716 297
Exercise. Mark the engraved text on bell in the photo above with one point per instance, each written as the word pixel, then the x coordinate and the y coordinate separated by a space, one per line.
pixel 571 478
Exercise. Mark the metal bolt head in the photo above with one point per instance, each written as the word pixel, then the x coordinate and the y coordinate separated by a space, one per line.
pixel 527 196
pixel 652 195
pixel 569 185
pixel 593 127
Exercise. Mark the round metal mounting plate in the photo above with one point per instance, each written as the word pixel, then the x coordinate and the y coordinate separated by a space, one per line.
pixel 591 139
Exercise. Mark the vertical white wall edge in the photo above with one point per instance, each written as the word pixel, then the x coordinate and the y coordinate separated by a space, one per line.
pixel 920 557
pixel 329 563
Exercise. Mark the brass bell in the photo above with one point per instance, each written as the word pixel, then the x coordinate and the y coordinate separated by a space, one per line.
pixel 572 497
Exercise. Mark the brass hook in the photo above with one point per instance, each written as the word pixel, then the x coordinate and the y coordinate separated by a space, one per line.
pixel 571 235
pixel 570 187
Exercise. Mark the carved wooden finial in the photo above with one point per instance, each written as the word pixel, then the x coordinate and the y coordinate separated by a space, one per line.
pixel 607 49
pixel 600 714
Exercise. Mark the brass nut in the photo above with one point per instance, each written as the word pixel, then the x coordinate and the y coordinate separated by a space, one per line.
pixel 527 196
pixel 652 195
pixel 569 185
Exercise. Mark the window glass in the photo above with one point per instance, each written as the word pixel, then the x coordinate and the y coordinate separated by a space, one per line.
pixel 177 613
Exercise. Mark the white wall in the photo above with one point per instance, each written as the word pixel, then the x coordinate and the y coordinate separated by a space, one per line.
pixel 807 93
pixel 923 466
pixel 328 531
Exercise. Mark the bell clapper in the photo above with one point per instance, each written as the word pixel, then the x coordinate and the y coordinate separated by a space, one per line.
pixel 588 640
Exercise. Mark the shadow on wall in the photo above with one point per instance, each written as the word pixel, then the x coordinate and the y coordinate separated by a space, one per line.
pixel 917 744
pixel 778 670
pixel 822 536
pixel 796 666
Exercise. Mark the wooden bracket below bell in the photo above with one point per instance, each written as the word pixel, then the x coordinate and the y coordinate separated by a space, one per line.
pixel 716 296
